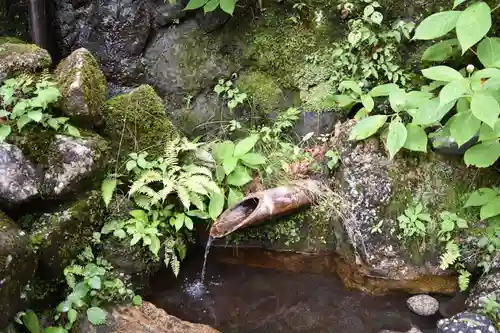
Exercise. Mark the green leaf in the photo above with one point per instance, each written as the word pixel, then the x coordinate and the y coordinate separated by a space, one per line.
pixel 155 245
pixel 463 105
pixel 453 91
pixel 354 86
pixel 486 133
pixel 253 159
pixel 96 315
pixel 5 130
pixel 108 187
pixel 377 18
pixel 343 100
pixel 456 3
pixel 72 315
pixel 481 197
pixel 464 126
pixel 416 139
pixel 95 282
pixel 210 6
pixel 239 177
pixel 188 223
pixel 485 108
pixel 216 205
pixel 119 233
pixel 245 145
pixel 194 4
pixel 441 51
pixel 442 73
pixel 72 130
pixel 228 6
pixel 488 52
pixel 229 164
pixel 223 150
pixel 368 102
pixel 430 112
pixel 482 155
pixel 397 99
pixel 367 127
pixel 179 221
pixel 137 300
pixel 383 90
pixel 30 320
pixel 491 209
pixel 436 25
pixel 473 24
pixel 23 121
pixel 139 214
pixel 35 115
pixel 53 329
pixel 396 137
pixel 234 197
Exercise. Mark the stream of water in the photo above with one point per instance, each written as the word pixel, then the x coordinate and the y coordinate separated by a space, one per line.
pixel 196 288
pixel 240 299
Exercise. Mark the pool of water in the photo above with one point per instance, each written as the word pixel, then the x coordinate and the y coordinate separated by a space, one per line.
pixel 241 299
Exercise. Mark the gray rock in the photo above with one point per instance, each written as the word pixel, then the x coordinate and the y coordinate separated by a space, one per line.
pixel 411 330
pixel 423 305
pixel 17 267
pixel 63 234
pixel 317 122
pixel 182 60
pixel 83 88
pixel 114 31
pixel 72 161
pixel 167 13
pixel 487 285
pixel 213 20
pixel 20 179
pixel 18 58
pixel 466 322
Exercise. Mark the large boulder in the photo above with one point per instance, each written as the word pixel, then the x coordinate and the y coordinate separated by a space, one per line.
pixel 182 60
pixel 61 235
pixel 83 87
pixel 136 121
pixel 466 322
pixel 20 180
pixel 487 286
pixel 375 191
pixel 18 58
pixel 17 267
pixel 72 161
pixel 144 319
pixel 114 31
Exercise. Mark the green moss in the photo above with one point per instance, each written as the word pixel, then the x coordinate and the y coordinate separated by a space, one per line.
pixel 136 121
pixel 34 141
pixel 11 40
pixel 262 90
pixel 18 58
pixel 83 68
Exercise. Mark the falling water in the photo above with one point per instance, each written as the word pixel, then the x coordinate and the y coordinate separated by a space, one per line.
pixel 197 288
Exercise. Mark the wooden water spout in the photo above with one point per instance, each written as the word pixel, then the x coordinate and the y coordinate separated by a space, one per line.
pixel 264 205
pixel 38 23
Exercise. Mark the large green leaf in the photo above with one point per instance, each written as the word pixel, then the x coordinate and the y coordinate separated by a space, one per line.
pixel 234 196
pixel 488 52
pixel 108 187
pixel 464 126
pixel 473 24
pixel 431 112
pixel 487 133
pixel 239 177
pixel 223 150
pixel 396 137
pixel 397 99
pixel 53 329
pixel 354 86
pixel 229 164
pixel 485 108
pixel 35 115
pixel 30 320
pixel 368 102
pixel 245 145
pixel 456 3
pixel 442 73
pixel 481 197
pixel 4 132
pixel 436 25
pixel 383 90
pixel 367 127
pixel 216 205
pixel 453 91
pixel 490 209
pixel 416 139
pixel 482 155
pixel 228 6
pixel 96 315
pixel 194 4
pixel 441 51
pixel 253 159
pixel 210 6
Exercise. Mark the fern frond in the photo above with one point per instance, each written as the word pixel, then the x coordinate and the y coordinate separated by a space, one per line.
pixel 183 194
pixel 197 201
pixel 175 264
pixel 164 192
pixel 143 201
pixel 146 178
pixel 197 170
pixel 212 187
pixel 450 256
pixel 194 185
pixel 464 279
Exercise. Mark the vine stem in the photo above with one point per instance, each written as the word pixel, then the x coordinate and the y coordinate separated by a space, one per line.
pixel 498 6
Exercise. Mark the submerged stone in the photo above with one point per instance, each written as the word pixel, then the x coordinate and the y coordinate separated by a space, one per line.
pixel 423 305
pixel 20 180
pixel 22 58
pixel 17 267
pixel 146 318
pixel 83 87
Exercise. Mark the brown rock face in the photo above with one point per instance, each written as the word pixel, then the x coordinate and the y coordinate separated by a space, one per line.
pixel 144 319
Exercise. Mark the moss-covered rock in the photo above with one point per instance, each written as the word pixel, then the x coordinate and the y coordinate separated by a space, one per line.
pixel 61 235
pixel 83 87
pixel 11 40
pixel 19 58
pixel 17 267
pixel 262 90
pixel 136 121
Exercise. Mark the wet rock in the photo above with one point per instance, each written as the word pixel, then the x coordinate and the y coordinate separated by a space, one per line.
pixel 136 121
pixel 167 13
pixel 211 21
pixel 83 88
pixel 19 179
pixel 21 58
pixel 72 160
pixel 423 305
pixel 182 60
pixel 455 305
pixel 61 235
pixel 144 319
pixel 114 31
pixel 375 191
pixel 487 286
pixel 317 122
pixel 17 267
pixel 466 322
